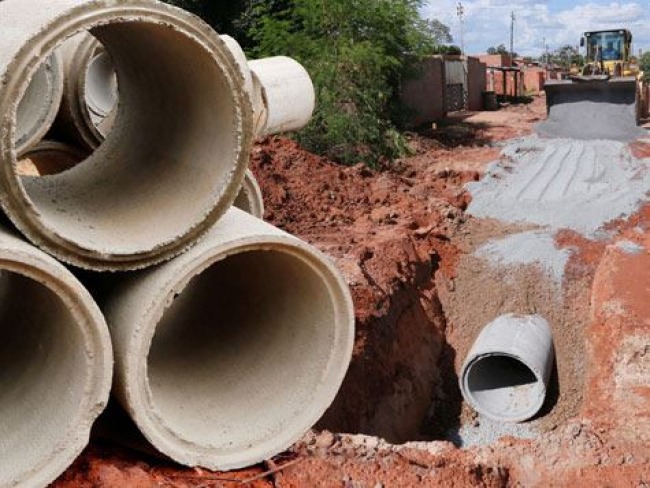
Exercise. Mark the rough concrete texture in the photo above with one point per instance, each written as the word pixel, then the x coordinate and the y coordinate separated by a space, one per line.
pixel 592 111
pixel 538 180
pixel 158 182
pixel 40 103
pixel 250 198
pixel 56 365
pixel 228 354
pixel 536 247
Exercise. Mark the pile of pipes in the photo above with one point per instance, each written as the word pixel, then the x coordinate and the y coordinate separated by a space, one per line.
pixel 125 135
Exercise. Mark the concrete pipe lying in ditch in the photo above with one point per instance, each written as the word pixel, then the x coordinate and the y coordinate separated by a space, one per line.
pixel 226 355
pixel 280 88
pixel 176 156
pixel 250 198
pixel 56 365
pixel 38 106
pixel 506 373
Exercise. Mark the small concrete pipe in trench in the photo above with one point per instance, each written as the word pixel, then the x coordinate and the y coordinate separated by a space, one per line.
pixel 229 353
pixel 40 103
pixel 506 373
pixel 56 365
pixel 175 157
pixel 280 88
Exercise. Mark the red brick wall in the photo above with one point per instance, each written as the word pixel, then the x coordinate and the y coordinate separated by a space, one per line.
pixel 424 94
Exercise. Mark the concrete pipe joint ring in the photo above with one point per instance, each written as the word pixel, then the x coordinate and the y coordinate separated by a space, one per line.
pixel 56 365
pixel 506 373
pixel 228 354
pixel 176 156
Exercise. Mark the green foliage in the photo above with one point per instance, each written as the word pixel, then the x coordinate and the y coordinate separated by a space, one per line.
pixel 222 16
pixel 450 50
pixel 644 64
pixel 500 49
pixel 566 56
pixel 356 52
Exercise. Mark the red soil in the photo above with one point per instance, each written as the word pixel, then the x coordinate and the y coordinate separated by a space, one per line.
pixel 392 233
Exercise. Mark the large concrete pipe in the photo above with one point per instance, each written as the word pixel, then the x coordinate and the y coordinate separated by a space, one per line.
pixel 175 157
pixel 287 94
pixel 250 197
pixel 55 365
pixel 280 88
pixel 506 373
pixel 40 102
pixel 228 354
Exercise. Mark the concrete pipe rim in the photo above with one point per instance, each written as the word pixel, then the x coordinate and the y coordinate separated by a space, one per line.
pixel 18 204
pixel 89 134
pixel 521 415
pixel 52 67
pixel 140 397
pixel 43 271
pixel 250 198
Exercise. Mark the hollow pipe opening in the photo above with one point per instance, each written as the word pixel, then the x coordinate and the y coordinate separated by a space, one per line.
pixel 503 387
pixel 174 159
pixel 55 365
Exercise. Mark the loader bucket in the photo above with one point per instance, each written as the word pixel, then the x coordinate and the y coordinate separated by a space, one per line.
pixel 602 109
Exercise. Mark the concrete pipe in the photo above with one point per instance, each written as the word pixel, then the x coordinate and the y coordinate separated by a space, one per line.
pixel 50 158
pixel 90 97
pixel 250 198
pixel 506 373
pixel 91 91
pixel 175 157
pixel 226 355
pixel 287 94
pixel 38 105
pixel 55 365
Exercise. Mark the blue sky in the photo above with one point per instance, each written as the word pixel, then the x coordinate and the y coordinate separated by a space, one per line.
pixel 561 22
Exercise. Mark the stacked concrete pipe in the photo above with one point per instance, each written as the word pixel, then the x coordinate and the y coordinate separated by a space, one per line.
pixel 280 88
pixel 177 152
pixel 229 353
pixel 55 365
pixel 40 103
pixel 506 373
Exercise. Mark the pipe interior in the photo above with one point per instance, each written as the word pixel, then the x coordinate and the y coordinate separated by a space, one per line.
pixel 240 355
pixel 43 369
pixel 101 89
pixel 167 159
pixel 503 386
pixel 36 104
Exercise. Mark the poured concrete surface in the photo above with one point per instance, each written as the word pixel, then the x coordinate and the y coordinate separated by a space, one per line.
pixel 228 354
pixel 55 365
pixel 176 156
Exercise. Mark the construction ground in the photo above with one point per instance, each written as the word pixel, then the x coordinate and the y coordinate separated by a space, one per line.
pixel 429 265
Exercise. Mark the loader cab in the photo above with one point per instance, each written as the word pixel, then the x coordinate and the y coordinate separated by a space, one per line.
pixel 607 46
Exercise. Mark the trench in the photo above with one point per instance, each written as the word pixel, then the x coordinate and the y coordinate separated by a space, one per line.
pixel 403 383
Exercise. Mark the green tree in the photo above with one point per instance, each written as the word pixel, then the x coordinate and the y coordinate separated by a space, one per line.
pixel 222 16
pixel 500 49
pixel 356 52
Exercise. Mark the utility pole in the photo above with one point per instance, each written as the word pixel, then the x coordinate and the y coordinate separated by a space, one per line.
pixel 512 38
pixel 460 11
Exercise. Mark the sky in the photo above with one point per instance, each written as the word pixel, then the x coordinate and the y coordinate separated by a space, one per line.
pixel 561 22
